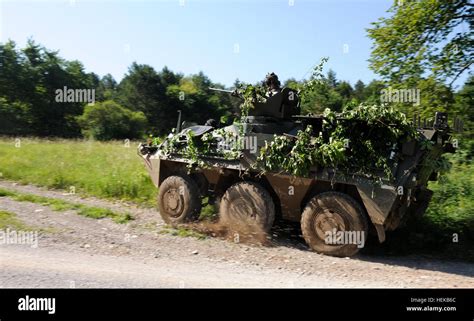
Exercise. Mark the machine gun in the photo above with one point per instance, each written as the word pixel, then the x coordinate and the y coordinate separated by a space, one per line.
pixel 233 93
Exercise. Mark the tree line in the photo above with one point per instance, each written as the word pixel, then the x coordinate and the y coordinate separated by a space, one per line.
pixel 146 101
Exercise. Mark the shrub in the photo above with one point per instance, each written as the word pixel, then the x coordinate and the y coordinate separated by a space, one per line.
pixel 108 120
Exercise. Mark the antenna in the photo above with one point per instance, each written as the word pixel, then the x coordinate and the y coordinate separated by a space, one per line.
pixel 178 125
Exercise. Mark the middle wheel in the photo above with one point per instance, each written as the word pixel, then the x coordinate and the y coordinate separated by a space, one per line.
pixel 247 205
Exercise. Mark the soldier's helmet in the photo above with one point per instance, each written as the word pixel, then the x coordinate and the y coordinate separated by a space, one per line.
pixel 271 81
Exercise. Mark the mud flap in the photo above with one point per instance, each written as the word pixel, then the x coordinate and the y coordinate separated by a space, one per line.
pixel 378 202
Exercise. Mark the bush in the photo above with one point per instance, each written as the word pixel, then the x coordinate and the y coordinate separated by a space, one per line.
pixel 108 120
pixel 447 228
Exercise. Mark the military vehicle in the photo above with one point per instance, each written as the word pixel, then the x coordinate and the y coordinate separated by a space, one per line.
pixel 350 207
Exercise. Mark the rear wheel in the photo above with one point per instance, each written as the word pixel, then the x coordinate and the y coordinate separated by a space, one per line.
pixel 179 200
pixel 247 207
pixel 334 223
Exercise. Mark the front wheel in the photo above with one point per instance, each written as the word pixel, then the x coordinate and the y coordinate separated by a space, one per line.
pixel 334 223
pixel 179 200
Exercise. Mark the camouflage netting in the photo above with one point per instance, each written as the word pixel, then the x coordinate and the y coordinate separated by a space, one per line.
pixel 362 140
pixel 365 139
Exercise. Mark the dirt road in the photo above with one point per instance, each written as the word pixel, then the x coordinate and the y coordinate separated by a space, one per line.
pixel 76 251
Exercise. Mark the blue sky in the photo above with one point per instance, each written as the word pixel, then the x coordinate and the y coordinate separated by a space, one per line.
pixel 225 39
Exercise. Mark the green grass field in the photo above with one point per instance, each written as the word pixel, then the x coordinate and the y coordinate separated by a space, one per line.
pixel 107 170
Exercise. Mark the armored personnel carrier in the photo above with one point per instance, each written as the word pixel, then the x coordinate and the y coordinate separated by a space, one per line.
pixel 336 209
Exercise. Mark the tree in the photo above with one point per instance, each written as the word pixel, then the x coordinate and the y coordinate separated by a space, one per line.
pixel 160 95
pixel 30 78
pixel 344 89
pixel 197 102
pixel 141 90
pixel 107 88
pixel 12 72
pixel 373 91
pixel 168 77
pixel 108 120
pixel 331 79
pixel 463 106
pixel 464 103
pixel 323 96
pixel 423 38
pixel 359 91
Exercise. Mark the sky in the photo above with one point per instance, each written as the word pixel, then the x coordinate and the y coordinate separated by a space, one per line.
pixel 224 39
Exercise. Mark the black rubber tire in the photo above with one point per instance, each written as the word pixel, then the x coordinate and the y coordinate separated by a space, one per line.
pixel 179 200
pixel 248 205
pixel 327 211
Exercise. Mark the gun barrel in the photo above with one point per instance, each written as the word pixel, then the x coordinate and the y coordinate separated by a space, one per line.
pixel 221 90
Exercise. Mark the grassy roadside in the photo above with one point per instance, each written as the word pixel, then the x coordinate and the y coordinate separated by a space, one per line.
pixel 448 225
pixel 61 205
pixel 446 230
pixel 9 220
pixel 183 232
pixel 106 170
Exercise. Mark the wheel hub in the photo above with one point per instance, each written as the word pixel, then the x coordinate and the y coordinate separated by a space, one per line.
pixel 327 222
pixel 173 202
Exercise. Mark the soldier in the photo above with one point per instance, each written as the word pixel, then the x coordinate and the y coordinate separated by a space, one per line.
pixel 273 84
